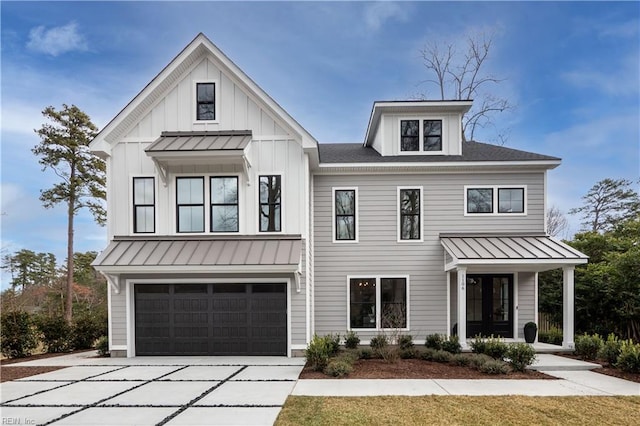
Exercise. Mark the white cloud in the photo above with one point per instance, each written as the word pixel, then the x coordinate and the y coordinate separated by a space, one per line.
pixel 57 40
pixel 377 13
pixel 622 79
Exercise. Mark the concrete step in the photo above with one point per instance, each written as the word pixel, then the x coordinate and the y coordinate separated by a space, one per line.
pixel 548 362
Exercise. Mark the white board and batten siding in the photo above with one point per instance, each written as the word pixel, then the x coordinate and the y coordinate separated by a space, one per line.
pixel 378 252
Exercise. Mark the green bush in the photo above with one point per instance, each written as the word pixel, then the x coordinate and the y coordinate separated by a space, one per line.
pixel 408 353
pixel 319 351
pixel 405 341
pixel 338 367
pixel 442 356
pixel 379 342
pixel 494 366
pixel 520 355
pixel 366 353
pixel 86 329
pixel 478 345
pixel 427 354
pixel 629 358
pixel 102 346
pixel 334 343
pixel 451 345
pixel 496 348
pixel 351 340
pixel 587 347
pixel 610 349
pixel 478 360
pixel 462 360
pixel 17 334
pixel 57 335
pixel 553 336
pixel 434 341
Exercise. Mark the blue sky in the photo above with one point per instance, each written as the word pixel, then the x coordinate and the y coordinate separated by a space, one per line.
pixel 572 70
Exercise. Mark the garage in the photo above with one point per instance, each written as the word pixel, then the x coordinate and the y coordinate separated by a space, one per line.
pixel 211 319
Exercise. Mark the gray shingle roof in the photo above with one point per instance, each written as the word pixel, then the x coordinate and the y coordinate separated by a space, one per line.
pixel 471 151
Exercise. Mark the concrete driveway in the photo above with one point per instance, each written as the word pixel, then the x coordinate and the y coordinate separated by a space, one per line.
pixel 153 391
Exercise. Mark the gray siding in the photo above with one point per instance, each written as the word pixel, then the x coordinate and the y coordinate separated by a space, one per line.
pixel 118 316
pixel 379 253
pixel 526 300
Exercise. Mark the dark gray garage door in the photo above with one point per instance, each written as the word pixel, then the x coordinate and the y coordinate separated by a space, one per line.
pixel 211 319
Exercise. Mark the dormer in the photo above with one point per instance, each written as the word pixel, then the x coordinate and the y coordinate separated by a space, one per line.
pixel 398 128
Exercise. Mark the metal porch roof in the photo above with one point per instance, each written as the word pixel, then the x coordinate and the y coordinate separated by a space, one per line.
pixel 477 249
pixel 200 141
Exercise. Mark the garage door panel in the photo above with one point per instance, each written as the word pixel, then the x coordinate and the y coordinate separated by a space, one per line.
pixel 211 319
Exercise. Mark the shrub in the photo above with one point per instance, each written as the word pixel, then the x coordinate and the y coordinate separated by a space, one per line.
pixel 496 348
pixel 463 360
pixel 319 351
pixel 494 366
pixel 427 354
pixel 587 347
pixel 521 355
pixel 553 336
pixel 86 329
pixel 366 353
pixel 408 353
pixel 610 349
pixel 338 368
pixel 405 341
pixel 433 341
pixel 629 358
pixel 478 345
pixel 451 345
pixel 56 334
pixel 378 342
pixel 478 360
pixel 334 343
pixel 17 334
pixel 351 340
pixel 442 356
pixel 102 346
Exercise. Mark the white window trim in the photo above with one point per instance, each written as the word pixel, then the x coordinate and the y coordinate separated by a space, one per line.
pixel 282 199
pixel 132 225
pixel 378 278
pixel 495 189
pixel 194 101
pixel 421 151
pixel 207 203
pixel 333 214
pixel 398 230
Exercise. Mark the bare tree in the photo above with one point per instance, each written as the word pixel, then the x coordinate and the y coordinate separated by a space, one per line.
pixel 557 223
pixel 459 75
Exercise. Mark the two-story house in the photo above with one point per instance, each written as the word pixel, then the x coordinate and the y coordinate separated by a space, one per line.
pixel 232 231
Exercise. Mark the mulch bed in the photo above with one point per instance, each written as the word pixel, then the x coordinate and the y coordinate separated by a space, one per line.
pixel 418 369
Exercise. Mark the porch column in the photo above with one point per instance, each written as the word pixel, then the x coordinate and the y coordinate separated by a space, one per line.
pixel 462 305
pixel 568 306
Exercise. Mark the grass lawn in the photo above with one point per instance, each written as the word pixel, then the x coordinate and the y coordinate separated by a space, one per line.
pixel 460 410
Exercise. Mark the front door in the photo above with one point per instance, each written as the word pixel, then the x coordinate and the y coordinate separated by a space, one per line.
pixel 489 305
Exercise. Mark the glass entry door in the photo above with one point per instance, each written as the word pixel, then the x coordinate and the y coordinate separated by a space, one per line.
pixel 489 305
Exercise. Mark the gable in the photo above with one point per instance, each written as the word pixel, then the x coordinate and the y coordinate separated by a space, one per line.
pixel 167 103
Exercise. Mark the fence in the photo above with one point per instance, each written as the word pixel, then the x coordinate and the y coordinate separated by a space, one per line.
pixel 545 323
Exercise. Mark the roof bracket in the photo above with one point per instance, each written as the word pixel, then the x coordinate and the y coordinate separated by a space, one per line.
pixel 162 171
pixel 297 276
pixel 246 165
pixel 114 281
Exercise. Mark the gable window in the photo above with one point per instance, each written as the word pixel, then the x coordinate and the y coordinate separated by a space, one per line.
pixel 345 226
pixel 494 200
pixel 378 302
pixel 270 203
pixel 409 214
pixel 420 135
pixel 205 101
pixel 224 204
pixel 144 205
pixel 190 204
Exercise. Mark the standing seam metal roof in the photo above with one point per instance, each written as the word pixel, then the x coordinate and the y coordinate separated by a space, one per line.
pixel 201 141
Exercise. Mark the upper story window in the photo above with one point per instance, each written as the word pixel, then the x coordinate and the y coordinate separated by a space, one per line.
pixel 410 214
pixel 420 135
pixel 495 200
pixel 344 207
pixel 270 203
pixel 378 302
pixel 144 205
pixel 224 204
pixel 190 204
pixel 205 101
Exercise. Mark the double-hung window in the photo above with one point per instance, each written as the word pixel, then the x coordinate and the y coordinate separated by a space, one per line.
pixel 205 101
pixel 418 135
pixel 224 204
pixel 144 205
pixel 410 214
pixel 190 204
pixel 378 302
pixel 345 219
pixel 495 200
pixel 270 203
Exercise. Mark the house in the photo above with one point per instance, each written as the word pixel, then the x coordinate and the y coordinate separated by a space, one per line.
pixel 232 231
